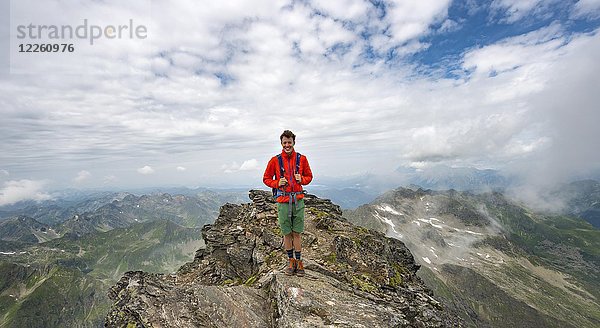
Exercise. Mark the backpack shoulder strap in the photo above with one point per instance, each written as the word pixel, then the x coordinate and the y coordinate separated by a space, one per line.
pixel 281 169
pixel 298 163
pixel 276 191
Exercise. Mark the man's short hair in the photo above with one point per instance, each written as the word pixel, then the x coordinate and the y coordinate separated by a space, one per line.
pixel 287 134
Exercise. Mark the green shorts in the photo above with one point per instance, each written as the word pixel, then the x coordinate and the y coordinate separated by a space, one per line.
pixel 297 224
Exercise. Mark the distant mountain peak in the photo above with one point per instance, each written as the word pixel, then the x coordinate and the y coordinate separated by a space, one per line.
pixel 443 177
pixel 25 229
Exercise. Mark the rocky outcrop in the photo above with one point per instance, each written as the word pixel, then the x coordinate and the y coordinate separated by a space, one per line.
pixel 355 277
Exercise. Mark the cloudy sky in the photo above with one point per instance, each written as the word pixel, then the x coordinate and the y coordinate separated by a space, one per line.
pixel 367 86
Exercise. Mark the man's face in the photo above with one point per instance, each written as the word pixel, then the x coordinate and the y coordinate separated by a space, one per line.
pixel 287 144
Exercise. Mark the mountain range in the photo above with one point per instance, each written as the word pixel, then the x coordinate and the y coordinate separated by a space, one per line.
pixel 442 177
pixel 57 275
pixel 492 261
pixel 354 191
pixel 65 204
pixel 581 198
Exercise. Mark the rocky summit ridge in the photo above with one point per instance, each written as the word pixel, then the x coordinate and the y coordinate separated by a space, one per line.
pixel 355 277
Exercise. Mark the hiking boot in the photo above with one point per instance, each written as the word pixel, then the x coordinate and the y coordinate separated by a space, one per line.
pixel 299 268
pixel 291 267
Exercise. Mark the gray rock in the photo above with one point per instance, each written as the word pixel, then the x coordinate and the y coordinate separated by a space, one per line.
pixel 355 277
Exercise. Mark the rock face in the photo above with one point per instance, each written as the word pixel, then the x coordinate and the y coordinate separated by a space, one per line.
pixel 355 277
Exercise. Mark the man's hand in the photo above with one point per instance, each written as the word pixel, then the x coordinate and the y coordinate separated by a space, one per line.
pixel 298 177
pixel 282 182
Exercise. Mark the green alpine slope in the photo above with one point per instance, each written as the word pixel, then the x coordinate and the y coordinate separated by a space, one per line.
pixel 63 282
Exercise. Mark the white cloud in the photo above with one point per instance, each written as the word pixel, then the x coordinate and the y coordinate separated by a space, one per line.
pixel 410 19
pixel 449 26
pixel 535 48
pixel 514 10
pixel 230 168
pixel 586 9
pixel 181 169
pixel 19 190
pixel 344 9
pixel 145 170
pixel 82 176
pixel 463 138
pixel 247 165
pixel 224 78
pixel 568 107
pixel 524 147
pixel 186 99
pixel 4 173
pixel 109 179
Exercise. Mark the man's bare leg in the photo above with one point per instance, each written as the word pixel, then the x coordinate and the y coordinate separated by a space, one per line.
pixel 288 241
pixel 297 241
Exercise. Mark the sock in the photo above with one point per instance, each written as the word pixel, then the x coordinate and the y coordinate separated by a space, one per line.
pixel 290 253
pixel 298 255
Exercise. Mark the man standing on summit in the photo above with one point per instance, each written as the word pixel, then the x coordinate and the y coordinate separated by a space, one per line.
pixel 286 173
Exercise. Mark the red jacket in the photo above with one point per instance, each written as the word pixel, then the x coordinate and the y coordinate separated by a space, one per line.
pixel 271 176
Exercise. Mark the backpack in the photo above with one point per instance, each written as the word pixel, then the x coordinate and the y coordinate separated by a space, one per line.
pixel 276 191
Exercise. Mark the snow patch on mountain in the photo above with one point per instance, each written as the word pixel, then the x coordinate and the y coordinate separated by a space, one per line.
pixel 430 221
pixel 390 223
pixel 387 208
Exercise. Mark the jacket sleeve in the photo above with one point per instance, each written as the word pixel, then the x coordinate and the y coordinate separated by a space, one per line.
pixel 306 175
pixel 269 174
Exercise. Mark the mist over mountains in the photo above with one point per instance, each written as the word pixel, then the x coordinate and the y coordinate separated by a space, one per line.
pixel 354 191
pixel 578 197
pixel 493 261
